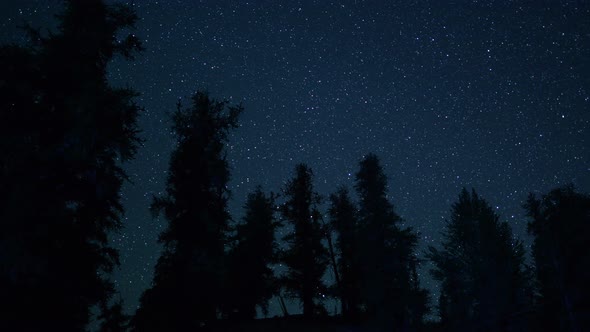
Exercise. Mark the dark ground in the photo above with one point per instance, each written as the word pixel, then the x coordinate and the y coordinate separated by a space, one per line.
pixel 298 324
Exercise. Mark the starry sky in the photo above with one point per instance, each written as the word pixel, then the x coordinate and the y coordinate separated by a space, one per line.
pixel 493 95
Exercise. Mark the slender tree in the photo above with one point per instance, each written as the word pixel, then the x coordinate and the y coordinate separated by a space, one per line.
pixel 418 299
pixel 481 268
pixel 343 219
pixel 387 251
pixel 66 132
pixel 188 280
pixel 560 224
pixel 251 280
pixel 306 258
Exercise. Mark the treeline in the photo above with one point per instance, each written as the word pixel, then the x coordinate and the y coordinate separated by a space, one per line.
pixel 211 269
pixel 66 133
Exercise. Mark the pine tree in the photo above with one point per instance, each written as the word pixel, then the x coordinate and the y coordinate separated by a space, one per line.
pixel 344 221
pixel 560 224
pixel 188 280
pixel 66 132
pixel 419 298
pixel 306 258
pixel 113 318
pixel 387 251
pixel 481 268
pixel 251 279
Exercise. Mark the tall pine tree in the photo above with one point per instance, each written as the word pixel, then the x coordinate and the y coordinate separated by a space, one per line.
pixel 560 224
pixel 387 252
pixel 481 270
pixel 306 258
pixel 66 132
pixel 251 281
pixel 343 218
pixel 188 280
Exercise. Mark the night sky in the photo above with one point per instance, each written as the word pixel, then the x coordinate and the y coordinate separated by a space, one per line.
pixel 491 95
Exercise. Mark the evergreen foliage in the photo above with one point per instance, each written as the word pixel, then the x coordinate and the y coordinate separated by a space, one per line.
pixel 189 277
pixel 66 132
pixel 251 281
pixel 343 218
pixel 560 224
pixel 306 258
pixel 113 319
pixel 481 268
pixel 387 253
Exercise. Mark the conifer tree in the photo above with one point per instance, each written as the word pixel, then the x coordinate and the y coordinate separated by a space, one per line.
pixel 560 224
pixel 387 252
pixel 113 318
pixel 418 299
pixel 66 132
pixel 481 269
pixel 343 219
pixel 251 281
pixel 189 278
pixel 306 258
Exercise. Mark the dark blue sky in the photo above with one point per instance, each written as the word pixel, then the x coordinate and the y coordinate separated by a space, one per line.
pixel 493 95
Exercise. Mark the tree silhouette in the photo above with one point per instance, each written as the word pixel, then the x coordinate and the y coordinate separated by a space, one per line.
pixel 65 133
pixel 481 269
pixel 113 319
pixel 251 281
pixel 189 275
pixel 343 219
pixel 387 251
pixel 560 224
pixel 306 258
pixel 418 299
